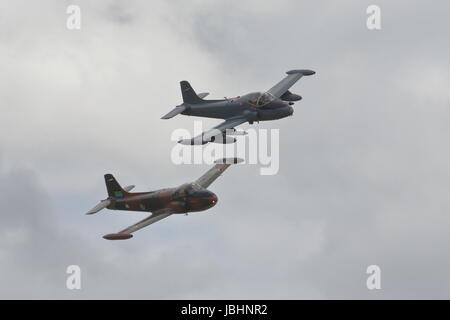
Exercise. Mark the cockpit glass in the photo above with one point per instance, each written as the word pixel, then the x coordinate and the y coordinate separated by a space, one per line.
pixel 192 189
pixel 261 99
pixel 264 99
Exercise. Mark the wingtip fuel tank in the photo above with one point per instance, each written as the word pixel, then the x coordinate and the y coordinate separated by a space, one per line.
pixel 117 236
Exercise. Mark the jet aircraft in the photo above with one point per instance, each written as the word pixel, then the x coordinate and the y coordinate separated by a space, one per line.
pixel 273 104
pixel 189 197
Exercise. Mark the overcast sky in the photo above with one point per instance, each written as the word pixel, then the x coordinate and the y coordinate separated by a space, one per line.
pixel 364 161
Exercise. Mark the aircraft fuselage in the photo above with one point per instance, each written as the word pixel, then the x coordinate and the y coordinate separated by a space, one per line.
pixel 186 198
pixel 245 105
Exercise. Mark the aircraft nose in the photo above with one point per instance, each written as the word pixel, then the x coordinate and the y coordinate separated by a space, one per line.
pixel 203 199
pixel 213 199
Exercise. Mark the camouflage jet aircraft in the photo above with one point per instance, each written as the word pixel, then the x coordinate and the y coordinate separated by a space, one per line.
pixel 257 106
pixel 189 197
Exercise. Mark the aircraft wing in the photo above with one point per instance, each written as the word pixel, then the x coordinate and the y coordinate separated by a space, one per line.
pixel 127 233
pixel 216 132
pixel 212 174
pixel 292 77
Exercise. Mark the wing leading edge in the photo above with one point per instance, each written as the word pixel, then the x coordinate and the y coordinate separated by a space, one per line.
pixel 216 134
pixel 127 233
pixel 212 174
pixel 292 77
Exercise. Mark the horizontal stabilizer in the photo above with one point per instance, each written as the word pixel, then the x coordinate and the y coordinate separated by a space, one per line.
pixel 129 188
pixel 174 112
pixel 203 95
pixel 102 205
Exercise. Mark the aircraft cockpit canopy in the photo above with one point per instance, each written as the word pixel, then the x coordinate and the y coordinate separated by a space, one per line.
pixel 260 99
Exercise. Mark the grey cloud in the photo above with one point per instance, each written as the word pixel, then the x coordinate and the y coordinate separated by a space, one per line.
pixel 363 162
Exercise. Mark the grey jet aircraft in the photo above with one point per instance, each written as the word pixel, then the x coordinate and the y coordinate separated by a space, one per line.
pixel 275 103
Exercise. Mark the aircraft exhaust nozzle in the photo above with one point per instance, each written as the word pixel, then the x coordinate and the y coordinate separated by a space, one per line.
pixel 118 236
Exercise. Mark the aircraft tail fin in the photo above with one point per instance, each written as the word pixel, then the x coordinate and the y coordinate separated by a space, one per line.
pixel 189 95
pixel 113 187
